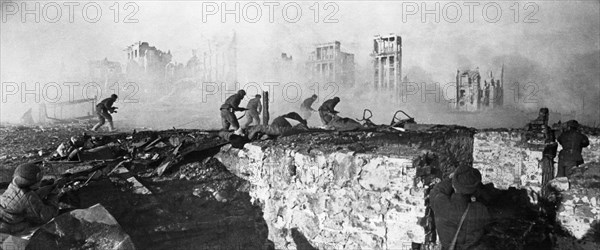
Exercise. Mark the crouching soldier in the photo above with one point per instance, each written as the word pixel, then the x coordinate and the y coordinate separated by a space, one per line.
pixel 572 142
pixel 103 110
pixel 327 110
pixel 459 217
pixel 228 108
pixel 253 110
pixel 22 205
pixel 280 126
pixel 306 107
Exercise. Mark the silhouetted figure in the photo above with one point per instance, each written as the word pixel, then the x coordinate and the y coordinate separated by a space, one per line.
pixel 254 107
pixel 228 108
pixel 103 110
pixel 572 141
pixel 306 107
pixel 327 110
pixel 459 217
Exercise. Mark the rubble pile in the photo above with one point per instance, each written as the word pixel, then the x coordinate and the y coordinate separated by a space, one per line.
pixel 163 188
pixel 579 209
pixel 92 228
pixel 20 144
pixel 354 190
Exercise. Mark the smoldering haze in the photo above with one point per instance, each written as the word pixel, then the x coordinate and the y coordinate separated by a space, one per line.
pixel 558 54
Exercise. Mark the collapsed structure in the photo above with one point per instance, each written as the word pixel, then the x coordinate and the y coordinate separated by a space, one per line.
pixel 473 95
pixel 143 59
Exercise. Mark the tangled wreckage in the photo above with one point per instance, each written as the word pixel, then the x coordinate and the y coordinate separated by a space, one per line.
pixel 365 188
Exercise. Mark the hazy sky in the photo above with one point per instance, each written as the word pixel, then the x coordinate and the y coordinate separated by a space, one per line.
pixel 562 27
pixel 547 33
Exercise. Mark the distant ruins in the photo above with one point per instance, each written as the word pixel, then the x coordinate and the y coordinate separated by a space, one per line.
pixel 472 95
pixel 329 64
pixel 387 61
pixel 143 59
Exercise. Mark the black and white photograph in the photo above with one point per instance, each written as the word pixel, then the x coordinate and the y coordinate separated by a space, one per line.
pixel 300 125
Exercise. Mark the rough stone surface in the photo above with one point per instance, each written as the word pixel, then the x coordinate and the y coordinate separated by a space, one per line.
pixel 342 199
pixel 507 160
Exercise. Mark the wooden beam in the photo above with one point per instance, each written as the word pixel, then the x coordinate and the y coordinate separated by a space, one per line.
pixel 265 111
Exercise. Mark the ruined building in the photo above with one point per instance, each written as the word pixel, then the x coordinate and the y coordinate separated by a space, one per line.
pixel 387 61
pixel 143 59
pixel 327 63
pixel 473 95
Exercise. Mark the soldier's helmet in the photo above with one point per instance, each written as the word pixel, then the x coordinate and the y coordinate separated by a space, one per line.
pixel 314 96
pixel 241 92
pixel 337 99
pixel 257 96
pixel 114 96
pixel 572 124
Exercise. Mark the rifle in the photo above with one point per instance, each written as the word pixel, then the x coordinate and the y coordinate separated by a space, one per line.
pixel 69 181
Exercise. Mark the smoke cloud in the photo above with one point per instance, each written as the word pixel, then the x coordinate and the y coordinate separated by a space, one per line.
pixel 549 50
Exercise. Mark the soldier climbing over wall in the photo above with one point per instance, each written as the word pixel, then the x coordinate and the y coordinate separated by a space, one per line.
pixel 228 108
pixel 572 142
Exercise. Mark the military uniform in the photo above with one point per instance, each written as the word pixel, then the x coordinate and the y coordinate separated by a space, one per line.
pixel 449 205
pixel 103 110
pixel 572 142
pixel 228 108
pixel 327 110
pixel 254 108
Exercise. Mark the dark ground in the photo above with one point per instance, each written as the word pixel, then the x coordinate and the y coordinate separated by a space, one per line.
pixel 181 213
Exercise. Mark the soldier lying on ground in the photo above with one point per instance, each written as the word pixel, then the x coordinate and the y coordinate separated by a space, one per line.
pixel 343 124
pixel 280 126
pixel 24 204
pixel 69 150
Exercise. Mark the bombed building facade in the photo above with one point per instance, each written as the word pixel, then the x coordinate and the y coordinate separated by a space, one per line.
pixel 328 63
pixel 143 59
pixel 387 62
pixel 474 95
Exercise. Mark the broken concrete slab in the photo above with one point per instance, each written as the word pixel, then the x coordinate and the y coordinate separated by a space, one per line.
pixel 91 228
